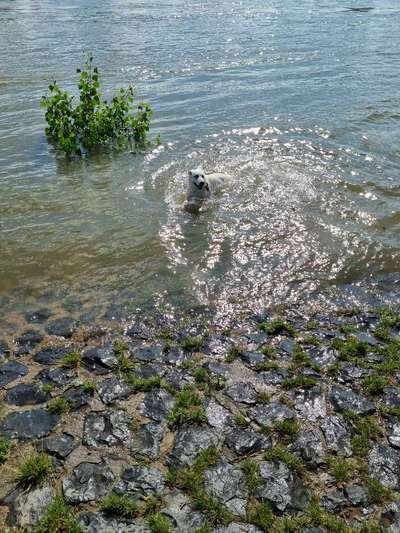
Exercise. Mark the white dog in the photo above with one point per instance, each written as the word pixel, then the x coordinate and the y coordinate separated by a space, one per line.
pixel 201 186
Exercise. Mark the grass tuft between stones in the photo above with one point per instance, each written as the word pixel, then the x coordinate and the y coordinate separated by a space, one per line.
pixel 34 469
pixel 5 446
pixel 58 518
pixel 188 408
pixel 58 406
pixel 118 505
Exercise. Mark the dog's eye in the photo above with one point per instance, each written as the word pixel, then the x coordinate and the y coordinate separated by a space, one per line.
pixel 196 177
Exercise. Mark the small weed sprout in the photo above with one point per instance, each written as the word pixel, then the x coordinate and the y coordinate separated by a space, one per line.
pixel 72 360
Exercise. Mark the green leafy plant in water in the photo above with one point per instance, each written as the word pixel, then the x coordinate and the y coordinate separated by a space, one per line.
pixel 78 128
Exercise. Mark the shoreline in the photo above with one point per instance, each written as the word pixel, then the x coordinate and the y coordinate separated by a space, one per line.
pixel 269 423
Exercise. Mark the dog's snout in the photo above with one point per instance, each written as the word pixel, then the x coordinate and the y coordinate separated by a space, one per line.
pixel 201 183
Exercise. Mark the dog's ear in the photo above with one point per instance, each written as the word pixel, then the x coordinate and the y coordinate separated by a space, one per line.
pixel 190 173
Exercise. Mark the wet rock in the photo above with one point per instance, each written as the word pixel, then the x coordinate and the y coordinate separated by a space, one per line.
pixel 189 442
pixel 147 354
pixel 242 392
pixel 337 435
pixel 178 510
pixel 26 394
pixel 62 327
pixel 28 425
pixel 269 415
pixel 108 427
pixel 26 508
pixel 345 399
pixel 10 371
pixel 219 417
pixel 99 523
pixel 38 317
pixel 281 487
pixel 384 465
pixel 141 481
pixel 146 440
pixel 252 359
pixel 59 445
pixel 227 484
pixel 310 444
pixel 99 360
pixel 87 482
pixel 77 397
pixel 356 495
pixel 113 389
pixel 391 397
pixel 394 432
pixel 58 377
pixel 334 501
pixel 235 527
pixel 274 377
pixel 52 355
pixel 244 441
pixel 310 404
pixel 28 341
pixel 157 404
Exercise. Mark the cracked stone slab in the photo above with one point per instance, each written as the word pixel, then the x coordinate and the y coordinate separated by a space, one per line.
pixel 227 484
pixel 384 465
pixel 58 377
pixel 146 440
pixel 113 389
pixel 218 417
pixel 394 432
pixel 87 482
pixel 242 392
pixel 28 425
pixel 243 441
pixel 337 435
pixel 99 523
pixel 189 442
pixel 345 399
pixel 26 508
pixel 310 404
pixel 157 404
pixel 281 488
pixel 178 509
pixel 311 446
pixel 141 481
pixel 59 445
pixel 270 414
pixel 108 427
pixel 28 341
pixel 391 397
pixel 77 396
pixel 235 527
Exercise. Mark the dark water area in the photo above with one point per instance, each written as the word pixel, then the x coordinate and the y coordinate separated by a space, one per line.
pixel 299 101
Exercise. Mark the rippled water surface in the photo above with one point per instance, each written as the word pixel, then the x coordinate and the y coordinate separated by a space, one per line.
pixel 300 101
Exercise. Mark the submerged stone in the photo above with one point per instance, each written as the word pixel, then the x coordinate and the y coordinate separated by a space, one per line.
pixel 28 425
pixel 87 482
pixel 26 394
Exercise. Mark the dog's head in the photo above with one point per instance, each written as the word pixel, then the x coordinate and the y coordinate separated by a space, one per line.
pixel 197 178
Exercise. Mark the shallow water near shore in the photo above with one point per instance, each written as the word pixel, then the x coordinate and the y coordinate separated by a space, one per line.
pixel 300 102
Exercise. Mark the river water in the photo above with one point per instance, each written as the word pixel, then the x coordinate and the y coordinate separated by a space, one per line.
pixel 299 101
